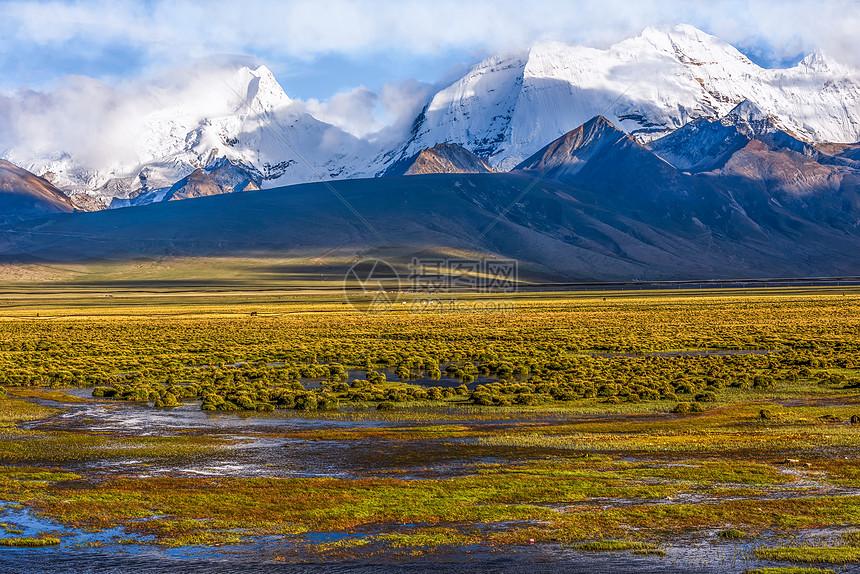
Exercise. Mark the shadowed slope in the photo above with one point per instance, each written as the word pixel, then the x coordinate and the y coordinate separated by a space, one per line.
pixel 556 230
pixel 705 145
pixel 25 195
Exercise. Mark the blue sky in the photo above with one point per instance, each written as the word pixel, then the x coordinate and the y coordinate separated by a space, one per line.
pixel 318 48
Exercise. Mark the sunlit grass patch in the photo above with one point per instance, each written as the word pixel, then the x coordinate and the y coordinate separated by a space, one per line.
pixel 851 538
pixel 46 394
pixel 811 554
pixel 341 545
pixel 57 447
pixel 29 542
pixel 620 546
pixel 13 410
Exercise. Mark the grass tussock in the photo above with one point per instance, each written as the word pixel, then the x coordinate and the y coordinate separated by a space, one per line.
pixel 811 554
pixel 29 542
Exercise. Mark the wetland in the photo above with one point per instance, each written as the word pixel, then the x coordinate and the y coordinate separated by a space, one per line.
pixel 705 431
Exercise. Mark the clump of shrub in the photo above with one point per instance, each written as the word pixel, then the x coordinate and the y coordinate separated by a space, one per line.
pixel 686 408
pixel 707 397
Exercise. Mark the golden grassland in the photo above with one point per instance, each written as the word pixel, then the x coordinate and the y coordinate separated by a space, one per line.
pixel 580 441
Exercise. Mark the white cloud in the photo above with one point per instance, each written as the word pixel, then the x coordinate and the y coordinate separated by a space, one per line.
pixel 354 111
pixel 380 116
pixel 105 125
pixel 167 30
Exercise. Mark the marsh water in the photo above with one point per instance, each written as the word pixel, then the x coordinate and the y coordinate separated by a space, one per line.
pixel 259 446
pixel 681 560
pixel 76 557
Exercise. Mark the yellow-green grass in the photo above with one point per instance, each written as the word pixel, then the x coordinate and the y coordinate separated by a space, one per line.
pixel 543 486
pixel 811 554
pixel 29 542
pixel 46 394
pixel 180 509
pixel 16 411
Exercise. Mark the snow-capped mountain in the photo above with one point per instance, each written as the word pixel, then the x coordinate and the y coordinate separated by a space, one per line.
pixel 249 122
pixel 504 110
pixel 507 108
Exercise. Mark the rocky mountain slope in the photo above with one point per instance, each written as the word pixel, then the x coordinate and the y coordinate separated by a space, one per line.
pixel 441 158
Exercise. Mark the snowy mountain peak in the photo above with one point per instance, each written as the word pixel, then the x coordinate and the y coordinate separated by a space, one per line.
pixel 503 110
pixel 262 91
pixel 678 35
pixel 819 62
pixel 690 45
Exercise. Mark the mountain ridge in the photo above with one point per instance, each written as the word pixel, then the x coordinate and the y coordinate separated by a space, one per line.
pixel 504 109
pixel 659 81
